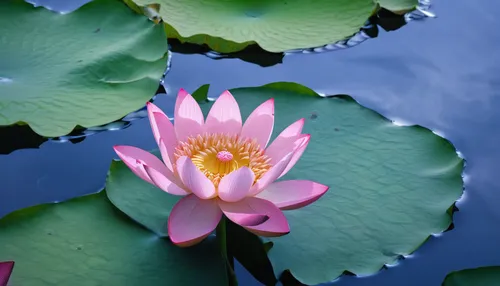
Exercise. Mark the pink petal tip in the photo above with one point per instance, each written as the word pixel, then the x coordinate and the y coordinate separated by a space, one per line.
pixel 5 272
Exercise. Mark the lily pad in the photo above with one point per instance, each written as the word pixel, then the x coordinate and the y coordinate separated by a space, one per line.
pixel 391 187
pixel 482 276
pixel 275 25
pixel 143 202
pixel 87 241
pixel 85 68
pixel 398 5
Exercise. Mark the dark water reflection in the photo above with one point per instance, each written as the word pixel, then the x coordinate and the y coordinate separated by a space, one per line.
pixel 442 73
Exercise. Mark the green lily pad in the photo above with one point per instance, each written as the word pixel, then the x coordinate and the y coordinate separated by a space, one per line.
pixel 390 186
pixel 87 241
pixel 398 5
pixel 85 68
pixel 275 25
pixel 482 276
pixel 143 202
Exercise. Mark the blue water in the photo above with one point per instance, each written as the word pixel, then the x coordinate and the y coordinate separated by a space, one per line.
pixel 441 73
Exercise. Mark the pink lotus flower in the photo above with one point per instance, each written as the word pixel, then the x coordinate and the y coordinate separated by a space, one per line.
pixel 5 271
pixel 223 167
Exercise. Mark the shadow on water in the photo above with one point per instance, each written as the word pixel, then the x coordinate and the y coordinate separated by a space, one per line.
pixel 19 137
pixel 252 54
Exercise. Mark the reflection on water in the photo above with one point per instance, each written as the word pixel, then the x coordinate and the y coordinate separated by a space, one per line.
pixel 442 74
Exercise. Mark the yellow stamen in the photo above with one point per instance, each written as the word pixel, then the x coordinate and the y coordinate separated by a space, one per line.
pixel 217 155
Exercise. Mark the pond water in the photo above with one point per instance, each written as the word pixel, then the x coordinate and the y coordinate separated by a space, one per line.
pixel 440 73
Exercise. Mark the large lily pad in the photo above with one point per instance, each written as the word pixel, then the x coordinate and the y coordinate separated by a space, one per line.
pixel 87 241
pixel 482 276
pixel 86 68
pixel 390 187
pixel 275 25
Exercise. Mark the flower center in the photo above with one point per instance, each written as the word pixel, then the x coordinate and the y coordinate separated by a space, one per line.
pixel 217 155
pixel 224 156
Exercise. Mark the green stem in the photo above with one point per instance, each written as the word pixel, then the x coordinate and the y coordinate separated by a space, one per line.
pixel 221 234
